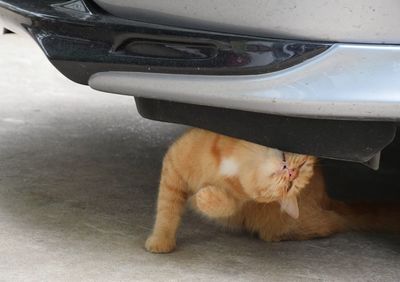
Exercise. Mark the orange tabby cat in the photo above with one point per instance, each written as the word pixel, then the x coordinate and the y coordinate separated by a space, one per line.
pixel 243 185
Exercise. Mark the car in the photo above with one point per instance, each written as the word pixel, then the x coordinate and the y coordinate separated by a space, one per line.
pixel 313 78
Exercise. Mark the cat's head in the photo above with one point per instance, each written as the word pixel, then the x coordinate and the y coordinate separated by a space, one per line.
pixel 274 175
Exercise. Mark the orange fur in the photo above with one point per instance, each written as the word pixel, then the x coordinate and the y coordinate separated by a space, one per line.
pixel 244 186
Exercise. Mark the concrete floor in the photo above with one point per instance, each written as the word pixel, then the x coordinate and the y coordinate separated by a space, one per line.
pixel 78 182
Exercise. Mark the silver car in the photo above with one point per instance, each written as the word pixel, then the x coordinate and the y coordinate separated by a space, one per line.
pixel 314 77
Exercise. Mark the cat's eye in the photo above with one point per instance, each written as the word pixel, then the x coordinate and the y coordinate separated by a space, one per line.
pixel 302 164
pixel 284 166
pixel 283 157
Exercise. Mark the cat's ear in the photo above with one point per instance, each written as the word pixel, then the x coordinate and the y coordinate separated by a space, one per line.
pixel 290 206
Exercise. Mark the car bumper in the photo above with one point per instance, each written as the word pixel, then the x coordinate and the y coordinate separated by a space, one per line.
pixel 285 77
pixel 348 81
pixel 228 83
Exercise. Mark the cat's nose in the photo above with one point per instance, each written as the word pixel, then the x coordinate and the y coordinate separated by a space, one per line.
pixel 292 173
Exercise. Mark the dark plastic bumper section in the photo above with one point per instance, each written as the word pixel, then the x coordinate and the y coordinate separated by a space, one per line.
pixel 353 182
pixel 80 40
pixel 346 140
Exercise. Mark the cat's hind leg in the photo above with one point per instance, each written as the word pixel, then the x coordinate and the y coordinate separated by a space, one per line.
pixel 171 201
pixel 215 202
pixel 322 223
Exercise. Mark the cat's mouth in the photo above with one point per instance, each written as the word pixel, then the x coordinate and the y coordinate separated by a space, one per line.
pixel 289 186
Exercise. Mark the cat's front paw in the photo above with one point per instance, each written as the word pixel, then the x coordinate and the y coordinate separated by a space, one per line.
pixel 159 244
pixel 214 202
